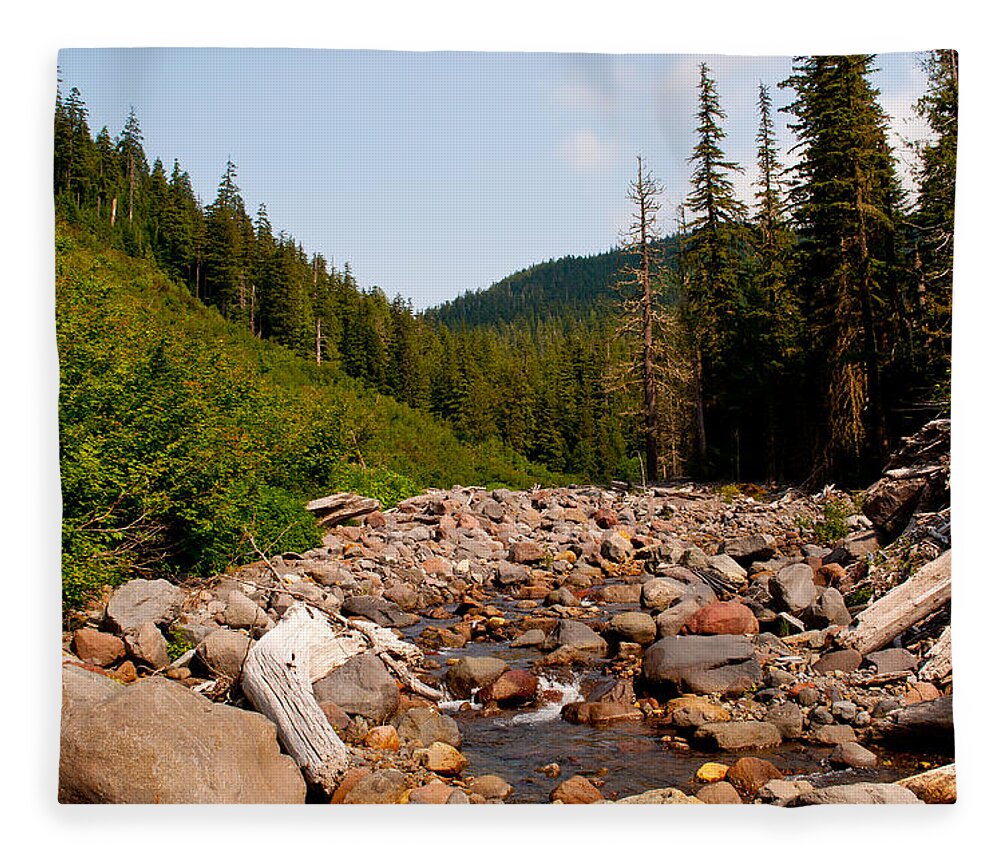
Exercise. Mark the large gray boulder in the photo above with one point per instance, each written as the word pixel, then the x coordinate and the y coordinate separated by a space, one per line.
pixel 223 653
pixel 362 687
pixel 748 734
pixel 157 742
pixel 702 664
pixel 793 588
pixel 859 792
pixel 140 601
pixel 380 611
pixel 423 726
pixel 577 635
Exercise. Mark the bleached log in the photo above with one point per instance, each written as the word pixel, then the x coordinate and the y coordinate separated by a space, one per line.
pixel 923 593
pixel 937 666
pixel 278 676
pixel 339 507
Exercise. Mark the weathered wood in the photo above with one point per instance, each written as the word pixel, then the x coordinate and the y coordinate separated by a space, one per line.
pixel 926 591
pixel 339 507
pixel 278 676
pixel 937 666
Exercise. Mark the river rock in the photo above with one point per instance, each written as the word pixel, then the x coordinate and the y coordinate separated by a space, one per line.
pixel 362 687
pixel 719 792
pixel 423 726
pixel 660 593
pixel 362 785
pixel 442 758
pixel 757 547
pixel 827 610
pixel 529 639
pixel 514 687
pixel 891 660
pixel 787 716
pixel 671 621
pixel 846 660
pixel 835 735
pixel 140 601
pixel 382 738
pixel 689 712
pixel 145 644
pixel 859 792
pixel 748 734
pixel 97 649
pixel 793 588
pixel 526 552
pixel 382 612
pixel 242 613
pixel 853 755
pixel 615 547
pixel 561 597
pixel 471 673
pixel 113 750
pixel 620 592
pixel 781 792
pixel 702 664
pixel 576 789
pixel 491 787
pixel 433 792
pixel 632 627
pixel 933 786
pixel 730 616
pixel 223 653
pixel 578 636
pixel 660 796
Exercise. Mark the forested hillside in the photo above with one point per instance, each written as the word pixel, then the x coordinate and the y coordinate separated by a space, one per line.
pixel 795 338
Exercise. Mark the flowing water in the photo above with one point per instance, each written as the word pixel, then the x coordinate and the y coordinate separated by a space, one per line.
pixel 624 759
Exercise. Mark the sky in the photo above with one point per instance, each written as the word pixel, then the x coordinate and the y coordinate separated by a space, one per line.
pixel 433 173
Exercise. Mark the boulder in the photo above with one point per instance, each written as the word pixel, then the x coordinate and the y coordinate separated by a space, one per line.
pixel 793 588
pixel 632 627
pixel 241 613
pixel 370 786
pixel 529 639
pixel 620 592
pixel 933 786
pixel 702 664
pixel 835 735
pixel 748 734
pixel 193 751
pixel 576 789
pixel 859 792
pixel 852 755
pixel 719 792
pixel 891 660
pixel 578 636
pixel 362 687
pixel 423 726
pixel 689 712
pixel 514 687
pixel 382 738
pixel 442 758
pixel 96 648
pixel 846 660
pixel 223 652
pixel 561 597
pixel 661 796
pixel 729 569
pixel 663 592
pixel 748 775
pixel 827 610
pixel 142 600
pixel 730 616
pixel 145 644
pixel 472 673
pixel 671 621
pixel 433 792
pixel 526 552
pixel 382 612
pixel 756 547
pixel 491 787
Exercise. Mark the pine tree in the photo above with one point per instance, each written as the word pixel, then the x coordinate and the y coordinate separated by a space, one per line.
pixel 844 195
pixel 133 159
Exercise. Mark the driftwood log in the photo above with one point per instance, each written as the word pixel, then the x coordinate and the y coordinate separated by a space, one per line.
pixel 937 666
pixel 907 604
pixel 340 507
pixel 277 678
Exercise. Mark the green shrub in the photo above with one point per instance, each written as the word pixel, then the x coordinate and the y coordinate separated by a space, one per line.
pixel 833 526
pixel 729 492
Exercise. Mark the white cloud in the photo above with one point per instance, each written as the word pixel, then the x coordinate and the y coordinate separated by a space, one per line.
pixel 585 151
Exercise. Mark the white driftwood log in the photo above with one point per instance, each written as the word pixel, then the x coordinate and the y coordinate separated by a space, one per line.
pixel 278 676
pixel 926 591
pixel 937 666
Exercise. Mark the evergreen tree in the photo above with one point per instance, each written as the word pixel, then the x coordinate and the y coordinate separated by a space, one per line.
pixel 133 159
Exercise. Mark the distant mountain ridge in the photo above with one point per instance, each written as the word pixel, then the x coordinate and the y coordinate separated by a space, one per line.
pixel 566 288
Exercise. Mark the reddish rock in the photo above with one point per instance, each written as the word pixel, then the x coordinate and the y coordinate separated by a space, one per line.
pixel 436 566
pixel 515 687
pixel 719 792
pixel 576 789
pixel 336 715
pixel 375 520
pixel 433 792
pixel 382 738
pixel 728 616
pixel 600 713
pixel 605 518
pixel 126 673
pixel 922 691
pixel 750 774
pixel 351 778
pixel 96 648
pixel 830 575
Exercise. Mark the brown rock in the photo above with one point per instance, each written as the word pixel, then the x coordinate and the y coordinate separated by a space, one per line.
pixel 719 792
pixel 844 661
pixel 514 687
pixel 922 691
pixel 576 789
pixel 728 616
pixel 146 644
pixel 382 738
pixel 750 774
pixel 432 792
pixel 835 735
pixel 336 715
pixel 96 648
pixel 852 755
pixel 442 758
pixel 526 552
pixel 378 786
pixel 828 575
pixel 491 787
pixel 933 786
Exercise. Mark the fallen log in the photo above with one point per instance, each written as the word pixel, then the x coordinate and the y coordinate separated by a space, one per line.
pixel 937 666
pixel 926 591
pixel 277 678
pixel 331 510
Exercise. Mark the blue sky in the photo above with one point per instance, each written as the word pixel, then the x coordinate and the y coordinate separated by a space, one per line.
pixel 434 173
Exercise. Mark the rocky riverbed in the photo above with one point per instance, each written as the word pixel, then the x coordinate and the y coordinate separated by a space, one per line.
pixel 685 643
